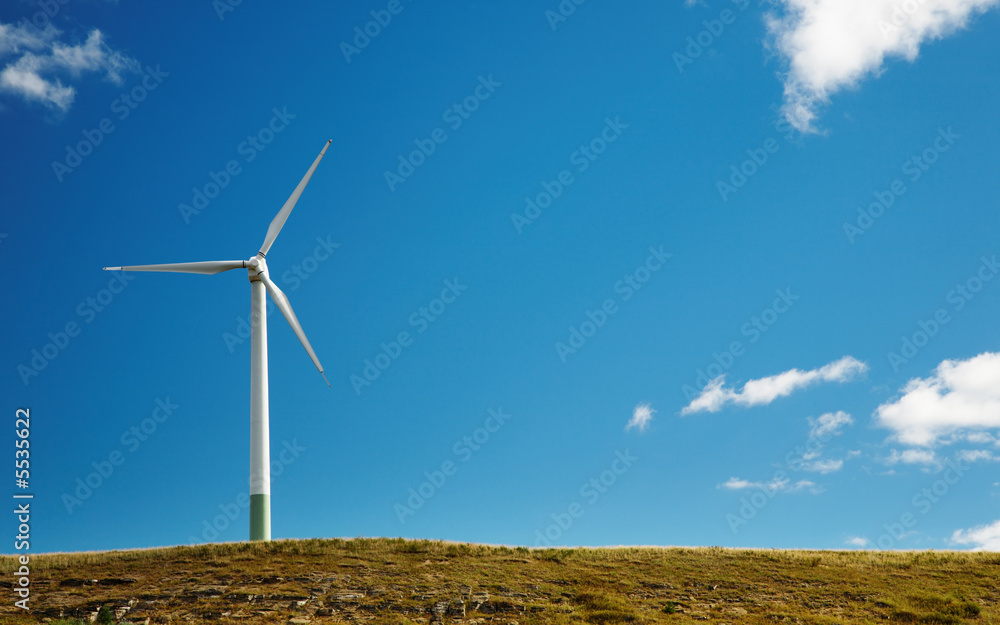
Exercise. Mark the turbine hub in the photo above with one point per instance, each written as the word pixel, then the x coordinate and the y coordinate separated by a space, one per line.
pixel 256 266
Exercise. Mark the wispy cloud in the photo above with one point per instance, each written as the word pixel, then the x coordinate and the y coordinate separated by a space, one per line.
pixel 961 395
pixel 831 45
pixel 856 541
pixel 765 390
pixel 977 455
pixel 776 485
pixel 824 466
pixel 36 63
pixel 641 417
pixel 912 456
pixel 981 438
pixel 821 429
pixel 829 424
pixel 982 538
pixel 15 39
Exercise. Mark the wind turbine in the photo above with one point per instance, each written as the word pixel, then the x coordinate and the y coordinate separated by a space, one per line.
pixel 260 460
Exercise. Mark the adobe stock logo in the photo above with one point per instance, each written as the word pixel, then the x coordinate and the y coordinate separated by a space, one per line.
pixel 627 287
pixel 421 319
pixel 464 449
pixel 581 158
pixel 591 491
pixel 704 40
pixel 565 9
pixel 963 293
pixel 93 137
pixel 249 149
pixel 364 35
pixel 59 340
pixel 753 329
pixel 233 509
pixel 924 502
pixel 131 439
pixel 914 168
pixel 454 116
pixel 739 175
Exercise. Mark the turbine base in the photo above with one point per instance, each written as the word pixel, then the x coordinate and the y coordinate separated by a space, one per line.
pixel 260 517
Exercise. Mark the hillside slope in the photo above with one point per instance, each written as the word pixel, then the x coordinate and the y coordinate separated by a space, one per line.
pixel 397 581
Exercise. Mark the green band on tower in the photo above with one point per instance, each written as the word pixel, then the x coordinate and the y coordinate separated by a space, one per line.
pixel 260 517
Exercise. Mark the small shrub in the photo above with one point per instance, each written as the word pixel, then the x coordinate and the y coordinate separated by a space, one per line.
pixel 597 601
pixel 602 609
pixel 104 616
pixel 967 610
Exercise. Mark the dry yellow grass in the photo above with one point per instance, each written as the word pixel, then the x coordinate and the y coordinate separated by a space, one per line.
pixel 397 581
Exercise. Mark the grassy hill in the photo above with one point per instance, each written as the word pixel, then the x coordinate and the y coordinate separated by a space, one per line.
pixel 394 581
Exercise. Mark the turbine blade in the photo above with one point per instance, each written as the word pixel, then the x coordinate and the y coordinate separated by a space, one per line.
pixel 279 220
pixel 207 267
pixel 286 309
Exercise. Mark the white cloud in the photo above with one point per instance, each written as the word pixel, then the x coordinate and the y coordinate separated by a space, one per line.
pixel 776 485
pixel 977 455
pixel 735 483
pixel 824 466
pixel 821 429
pixel 24 77
pixel 982 538
pixel 93 56
pixel 829 424
pixel 912 456
pixel 961 395
pixel 41 62
pixel 765 390
pixel 641 417
pixel 14 39
pixel 970 437
pixel 831 45
pixel 980 437
pixel 856 541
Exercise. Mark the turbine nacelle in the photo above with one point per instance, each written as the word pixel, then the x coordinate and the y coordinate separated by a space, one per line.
pixel 256 266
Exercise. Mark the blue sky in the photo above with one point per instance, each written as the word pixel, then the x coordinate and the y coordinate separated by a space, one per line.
pixel 719 273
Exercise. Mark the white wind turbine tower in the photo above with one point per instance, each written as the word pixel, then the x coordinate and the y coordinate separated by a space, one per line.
pixel 260 461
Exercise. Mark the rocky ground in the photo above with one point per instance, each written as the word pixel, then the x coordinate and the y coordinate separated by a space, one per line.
pixel 320 598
